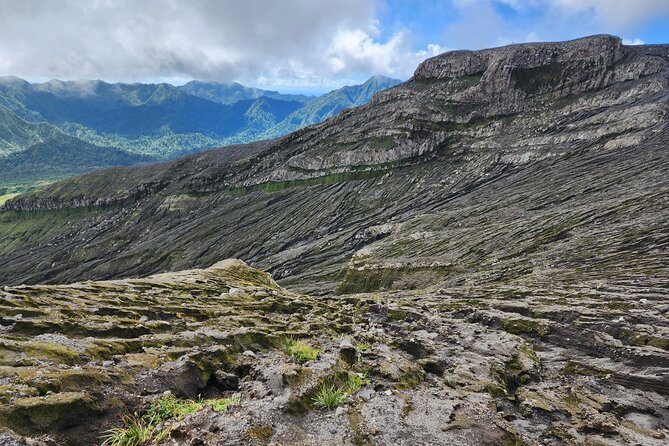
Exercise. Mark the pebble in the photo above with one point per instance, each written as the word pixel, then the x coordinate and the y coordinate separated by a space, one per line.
pixel 236 292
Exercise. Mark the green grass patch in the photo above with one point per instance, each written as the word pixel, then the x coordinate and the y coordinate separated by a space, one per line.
pixel 331 395
pixel 143 430
pixel 4 198
pixel 171 408
pixel 363 346
pixel 136 431
pixel 300 350
pixel 574 368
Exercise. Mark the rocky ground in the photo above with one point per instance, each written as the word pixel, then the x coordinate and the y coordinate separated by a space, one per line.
pixel 461 365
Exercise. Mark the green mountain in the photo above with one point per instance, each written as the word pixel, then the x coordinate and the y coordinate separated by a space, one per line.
pixel 16 134
pixel 34 152
pixel 330 104
pixel 235 92
pixel 58 157
pixel 142 122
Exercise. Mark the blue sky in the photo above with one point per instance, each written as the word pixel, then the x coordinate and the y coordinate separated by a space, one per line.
pixel 476 24
pixel 307 46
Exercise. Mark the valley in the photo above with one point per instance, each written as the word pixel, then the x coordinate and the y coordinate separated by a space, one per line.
pixel 58 129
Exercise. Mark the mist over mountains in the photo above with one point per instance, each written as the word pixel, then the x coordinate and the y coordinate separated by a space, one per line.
pixel 60 128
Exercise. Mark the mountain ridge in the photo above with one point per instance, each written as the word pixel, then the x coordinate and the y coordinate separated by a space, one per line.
pixel 144 121
pixel 392 180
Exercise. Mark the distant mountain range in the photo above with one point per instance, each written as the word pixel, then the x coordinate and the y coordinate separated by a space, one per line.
pixel 55 129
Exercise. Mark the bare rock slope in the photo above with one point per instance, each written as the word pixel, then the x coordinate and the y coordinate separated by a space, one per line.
pixel 535 162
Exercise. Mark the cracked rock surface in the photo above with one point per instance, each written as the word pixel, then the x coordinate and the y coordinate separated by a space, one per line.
pixel 439 366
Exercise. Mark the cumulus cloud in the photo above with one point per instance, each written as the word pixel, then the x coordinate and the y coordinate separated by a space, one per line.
pixel 621 14
pixel 224 40
pixel 635 41
pixel 360 50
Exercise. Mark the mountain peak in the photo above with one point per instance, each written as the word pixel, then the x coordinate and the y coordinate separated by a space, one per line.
pixel 379 78
pixel 602 50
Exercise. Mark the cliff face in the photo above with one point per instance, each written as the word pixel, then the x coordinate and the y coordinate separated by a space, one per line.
pixel 531 162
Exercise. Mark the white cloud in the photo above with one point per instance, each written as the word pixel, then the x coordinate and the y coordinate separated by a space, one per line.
pixel 360 50
pixel 621 14
pixel 635 41
pixel 251 41
pixel 481 23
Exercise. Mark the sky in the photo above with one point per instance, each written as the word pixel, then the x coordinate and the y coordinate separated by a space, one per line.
pixel 308 46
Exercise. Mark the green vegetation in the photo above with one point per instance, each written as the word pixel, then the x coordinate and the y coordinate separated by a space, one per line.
pixel 329 396
pixel 136 431
pixel 411 379
pixel 6 197
pixel 354 382
pixel 574 368
pixel 362 346
pixel 171 408
pixel 384 142
pixel 525 326
pixel 262 433
pixel 300 350
pixel 143 430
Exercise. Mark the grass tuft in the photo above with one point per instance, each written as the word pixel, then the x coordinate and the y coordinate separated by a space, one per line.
pixel 142 430
pixel 300 350
pixel 329 397
pixel 136 431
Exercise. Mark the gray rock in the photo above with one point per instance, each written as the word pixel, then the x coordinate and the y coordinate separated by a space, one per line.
pixel 236 292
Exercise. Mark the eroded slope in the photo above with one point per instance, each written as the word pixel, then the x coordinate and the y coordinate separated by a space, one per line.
pixel 536 162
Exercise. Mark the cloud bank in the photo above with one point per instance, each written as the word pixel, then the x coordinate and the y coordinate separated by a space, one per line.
pixel 294 44
pixel 290 41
